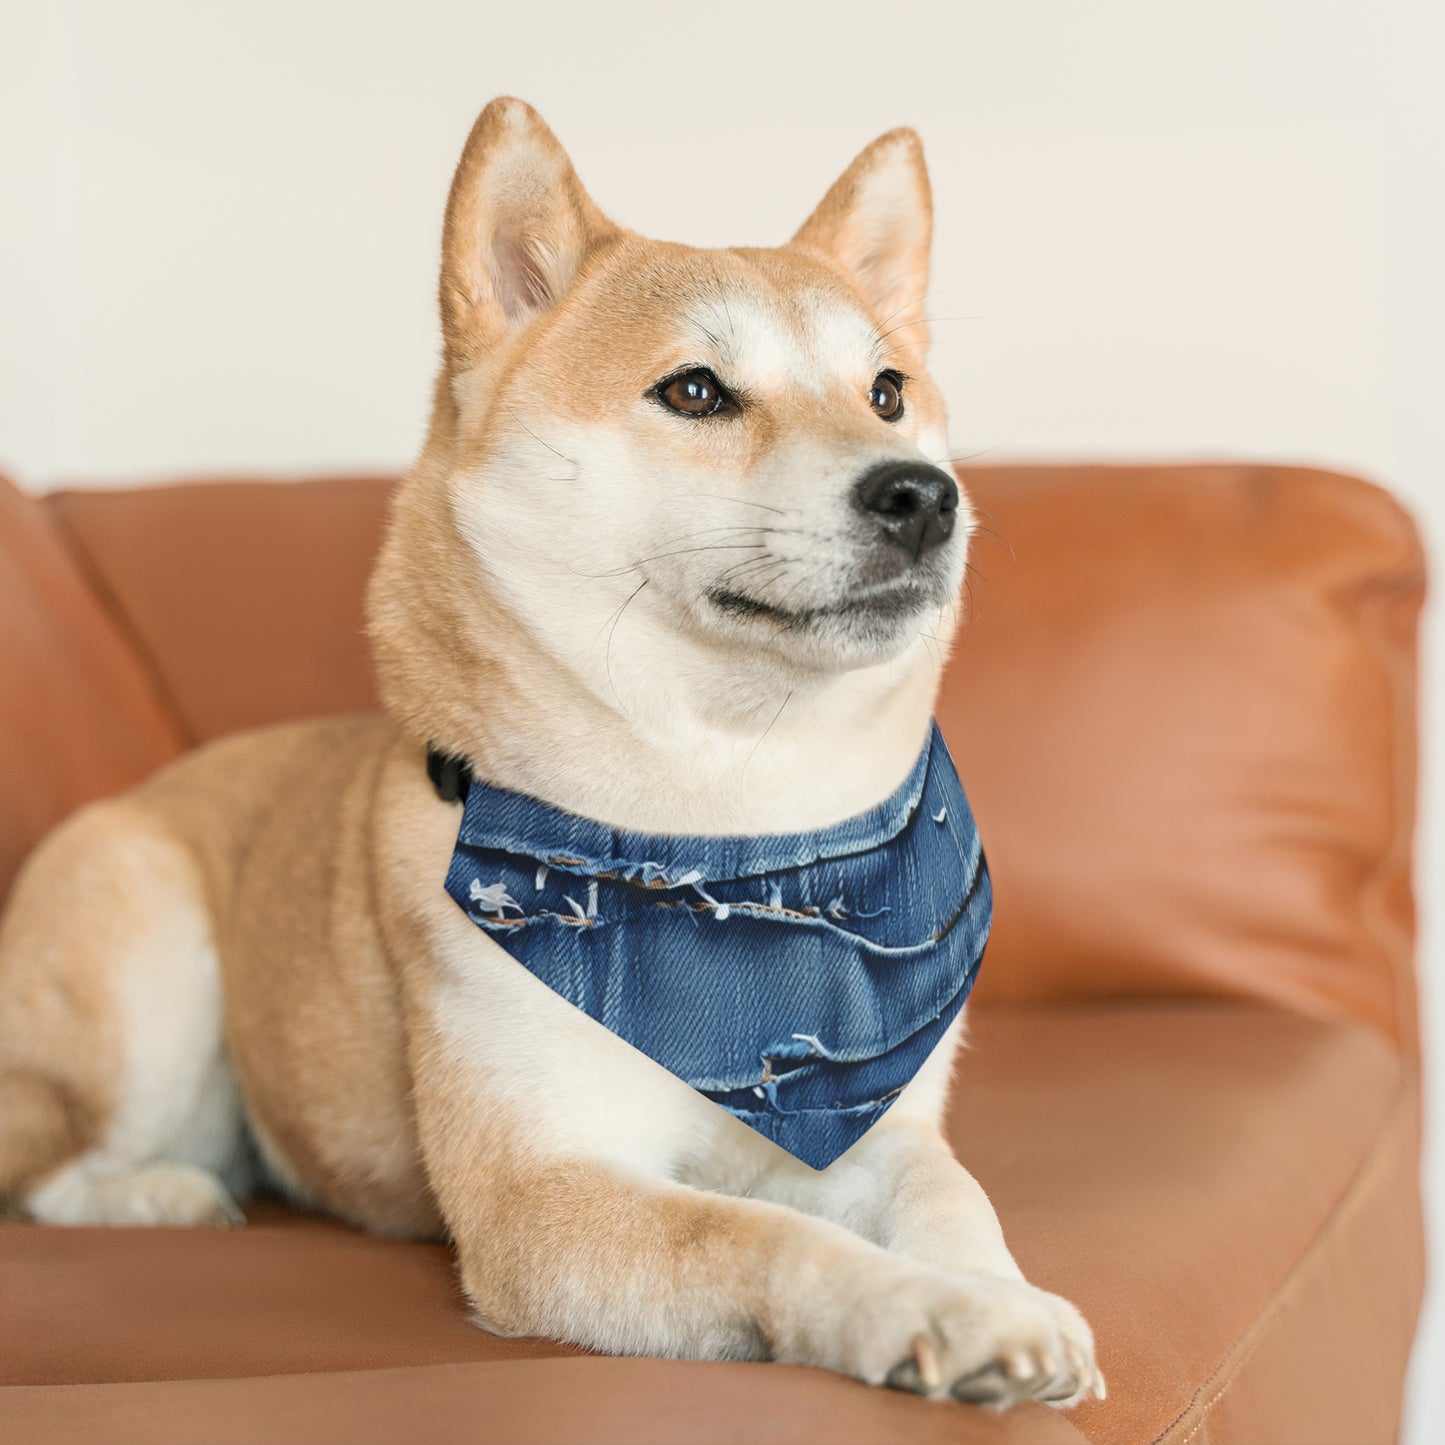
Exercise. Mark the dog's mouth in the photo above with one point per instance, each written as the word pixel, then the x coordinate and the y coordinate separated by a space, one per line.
pixel 890 602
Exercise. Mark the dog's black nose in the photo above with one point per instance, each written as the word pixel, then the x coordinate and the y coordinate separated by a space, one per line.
pixel 915 504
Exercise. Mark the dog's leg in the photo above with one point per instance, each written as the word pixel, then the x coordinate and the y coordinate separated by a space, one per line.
pixel 116 1104
pixel 901 1188
pixel 554 1151
pixel 900 1185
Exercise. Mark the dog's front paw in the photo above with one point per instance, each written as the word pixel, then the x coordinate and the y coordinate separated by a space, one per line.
pixel 979 1338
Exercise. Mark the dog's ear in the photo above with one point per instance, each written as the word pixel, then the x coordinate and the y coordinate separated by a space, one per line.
pixel 877 223
pixel 518 227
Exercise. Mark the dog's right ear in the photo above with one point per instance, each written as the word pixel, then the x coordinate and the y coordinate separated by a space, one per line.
pixel 877 223
pixel 518 227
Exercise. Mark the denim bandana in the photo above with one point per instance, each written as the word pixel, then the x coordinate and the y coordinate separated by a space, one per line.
pixel 798 980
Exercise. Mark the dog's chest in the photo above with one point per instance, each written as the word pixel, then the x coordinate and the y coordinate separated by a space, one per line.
pixel 798 981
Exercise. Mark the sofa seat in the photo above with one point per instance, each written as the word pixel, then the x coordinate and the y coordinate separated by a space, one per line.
pixel 1216 1175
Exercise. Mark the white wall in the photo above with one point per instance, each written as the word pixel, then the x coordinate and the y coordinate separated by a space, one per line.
pixel 1164 228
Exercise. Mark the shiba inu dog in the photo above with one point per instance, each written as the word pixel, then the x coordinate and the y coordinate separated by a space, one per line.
pixel 677 556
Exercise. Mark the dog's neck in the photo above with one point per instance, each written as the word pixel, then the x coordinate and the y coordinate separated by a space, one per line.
pixel 697 752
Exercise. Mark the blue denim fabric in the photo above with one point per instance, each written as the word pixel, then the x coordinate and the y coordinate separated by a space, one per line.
pixel 798 980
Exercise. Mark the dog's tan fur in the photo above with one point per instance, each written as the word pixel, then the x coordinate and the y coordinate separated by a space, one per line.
pixel 256 944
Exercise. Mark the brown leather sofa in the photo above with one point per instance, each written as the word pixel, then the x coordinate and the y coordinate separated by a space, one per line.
pixel 1185 711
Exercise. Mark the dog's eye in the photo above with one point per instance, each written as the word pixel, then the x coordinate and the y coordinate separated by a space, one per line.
pixel 886 397
pixel 694 393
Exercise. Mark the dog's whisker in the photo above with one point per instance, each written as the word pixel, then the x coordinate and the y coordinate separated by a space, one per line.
pixel 880 349
pixel 723 546
pixel 761 578
pixel 748 502
pixel 958 458
pixel 571 461
pixel 616 619
pixel 762 575
pixel 767 729
pixel 907 305
pixel 924 321
pixel 802 581
pixel 705 547
pixel 658 556
pixel 987 528
pixel 736 569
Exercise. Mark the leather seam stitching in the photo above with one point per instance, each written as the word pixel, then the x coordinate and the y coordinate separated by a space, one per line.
pixel 1298 1273
pixel 124 623
pixel 1401 688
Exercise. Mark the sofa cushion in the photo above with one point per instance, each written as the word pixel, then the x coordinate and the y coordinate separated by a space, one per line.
pixel 533 1402
pixel 79 715
pixel 248 596
pixel 1184 710
pixel 1225 1191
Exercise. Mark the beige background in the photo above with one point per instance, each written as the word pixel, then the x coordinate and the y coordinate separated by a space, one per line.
pixel 1164 229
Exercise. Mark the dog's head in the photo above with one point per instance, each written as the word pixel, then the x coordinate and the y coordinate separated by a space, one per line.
pixel 655 456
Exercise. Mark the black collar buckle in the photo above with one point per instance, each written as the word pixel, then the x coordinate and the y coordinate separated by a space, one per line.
pixel 450 775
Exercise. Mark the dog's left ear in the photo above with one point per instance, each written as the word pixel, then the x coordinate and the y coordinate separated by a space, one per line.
pixel 877 223
pixel 518 228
